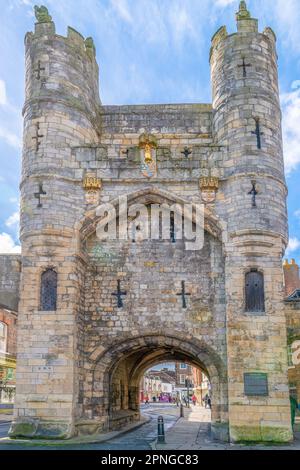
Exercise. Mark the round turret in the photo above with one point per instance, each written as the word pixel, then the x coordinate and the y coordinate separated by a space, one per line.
pixel 247 120
pixel 61 111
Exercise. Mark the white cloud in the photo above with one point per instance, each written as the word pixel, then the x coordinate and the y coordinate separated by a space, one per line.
pixel 294 245
pixel 11 139
pixel 12 199
pixel 291 129
pixel 224 3
pixel 121 7
pixel 295 84
pixel 7 244
pixel 286 15
pixel 13 220
pixel 3 98
pixel 297 213
pixel 181 24
pixel 12 117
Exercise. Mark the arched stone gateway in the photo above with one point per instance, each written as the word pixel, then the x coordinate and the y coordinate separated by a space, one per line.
pixel 119 305
pixel 116 372
pixel 150 324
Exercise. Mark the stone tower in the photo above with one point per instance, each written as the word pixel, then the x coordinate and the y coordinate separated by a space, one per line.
pixel 247 118
pixel 94 316
pixel 61 102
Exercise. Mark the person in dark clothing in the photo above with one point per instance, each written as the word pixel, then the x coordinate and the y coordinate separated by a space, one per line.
pixel 294 407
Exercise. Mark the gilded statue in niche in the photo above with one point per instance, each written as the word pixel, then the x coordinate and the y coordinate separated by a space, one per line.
pixel 148 145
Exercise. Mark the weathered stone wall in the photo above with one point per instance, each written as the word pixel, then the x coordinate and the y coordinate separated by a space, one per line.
pixel 151 273
pixel 10 272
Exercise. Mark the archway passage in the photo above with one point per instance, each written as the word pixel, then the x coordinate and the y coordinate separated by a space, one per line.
pixel 117 373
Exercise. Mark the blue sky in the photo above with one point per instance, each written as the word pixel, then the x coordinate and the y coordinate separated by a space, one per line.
pixel 149 51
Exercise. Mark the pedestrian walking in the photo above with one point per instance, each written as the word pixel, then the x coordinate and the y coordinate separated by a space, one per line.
pixel 194 399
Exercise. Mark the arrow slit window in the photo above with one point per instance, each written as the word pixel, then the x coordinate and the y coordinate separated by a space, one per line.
pixel 48 290
pixel 254 291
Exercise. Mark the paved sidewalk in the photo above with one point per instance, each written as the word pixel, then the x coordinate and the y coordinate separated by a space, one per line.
pixel 190 432
pixel 88 439
pixel 193 433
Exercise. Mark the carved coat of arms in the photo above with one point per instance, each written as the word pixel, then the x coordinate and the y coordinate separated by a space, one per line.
pixel 148 145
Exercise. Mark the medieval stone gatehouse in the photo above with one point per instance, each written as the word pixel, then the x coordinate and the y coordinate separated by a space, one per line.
pixel 93 316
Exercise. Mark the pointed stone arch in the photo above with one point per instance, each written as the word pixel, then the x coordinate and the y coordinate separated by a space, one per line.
pixel 149 195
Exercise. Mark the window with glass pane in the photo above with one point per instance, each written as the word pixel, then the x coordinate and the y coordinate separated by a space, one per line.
pixel 3 336
pixel 49 290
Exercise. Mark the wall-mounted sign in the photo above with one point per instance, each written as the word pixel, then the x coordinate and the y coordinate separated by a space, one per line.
pixel 256 384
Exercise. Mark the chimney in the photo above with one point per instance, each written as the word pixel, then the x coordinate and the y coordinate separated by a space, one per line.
pixel 291 276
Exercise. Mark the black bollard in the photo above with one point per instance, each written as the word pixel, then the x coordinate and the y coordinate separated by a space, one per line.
pixel 181 411
pixel 160 430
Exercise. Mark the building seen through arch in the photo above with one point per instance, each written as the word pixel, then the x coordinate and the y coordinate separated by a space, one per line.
pixel 176 382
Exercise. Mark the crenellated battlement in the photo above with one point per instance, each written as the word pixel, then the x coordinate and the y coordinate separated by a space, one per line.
pixel 73 37
pixel 45 27
pixel 61 67
pixel 246 26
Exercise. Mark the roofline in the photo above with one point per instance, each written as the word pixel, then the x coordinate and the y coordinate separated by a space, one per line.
pixel 289 299
pixel 5 307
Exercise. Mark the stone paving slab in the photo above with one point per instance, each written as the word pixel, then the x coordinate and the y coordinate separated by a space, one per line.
pixel 193 433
